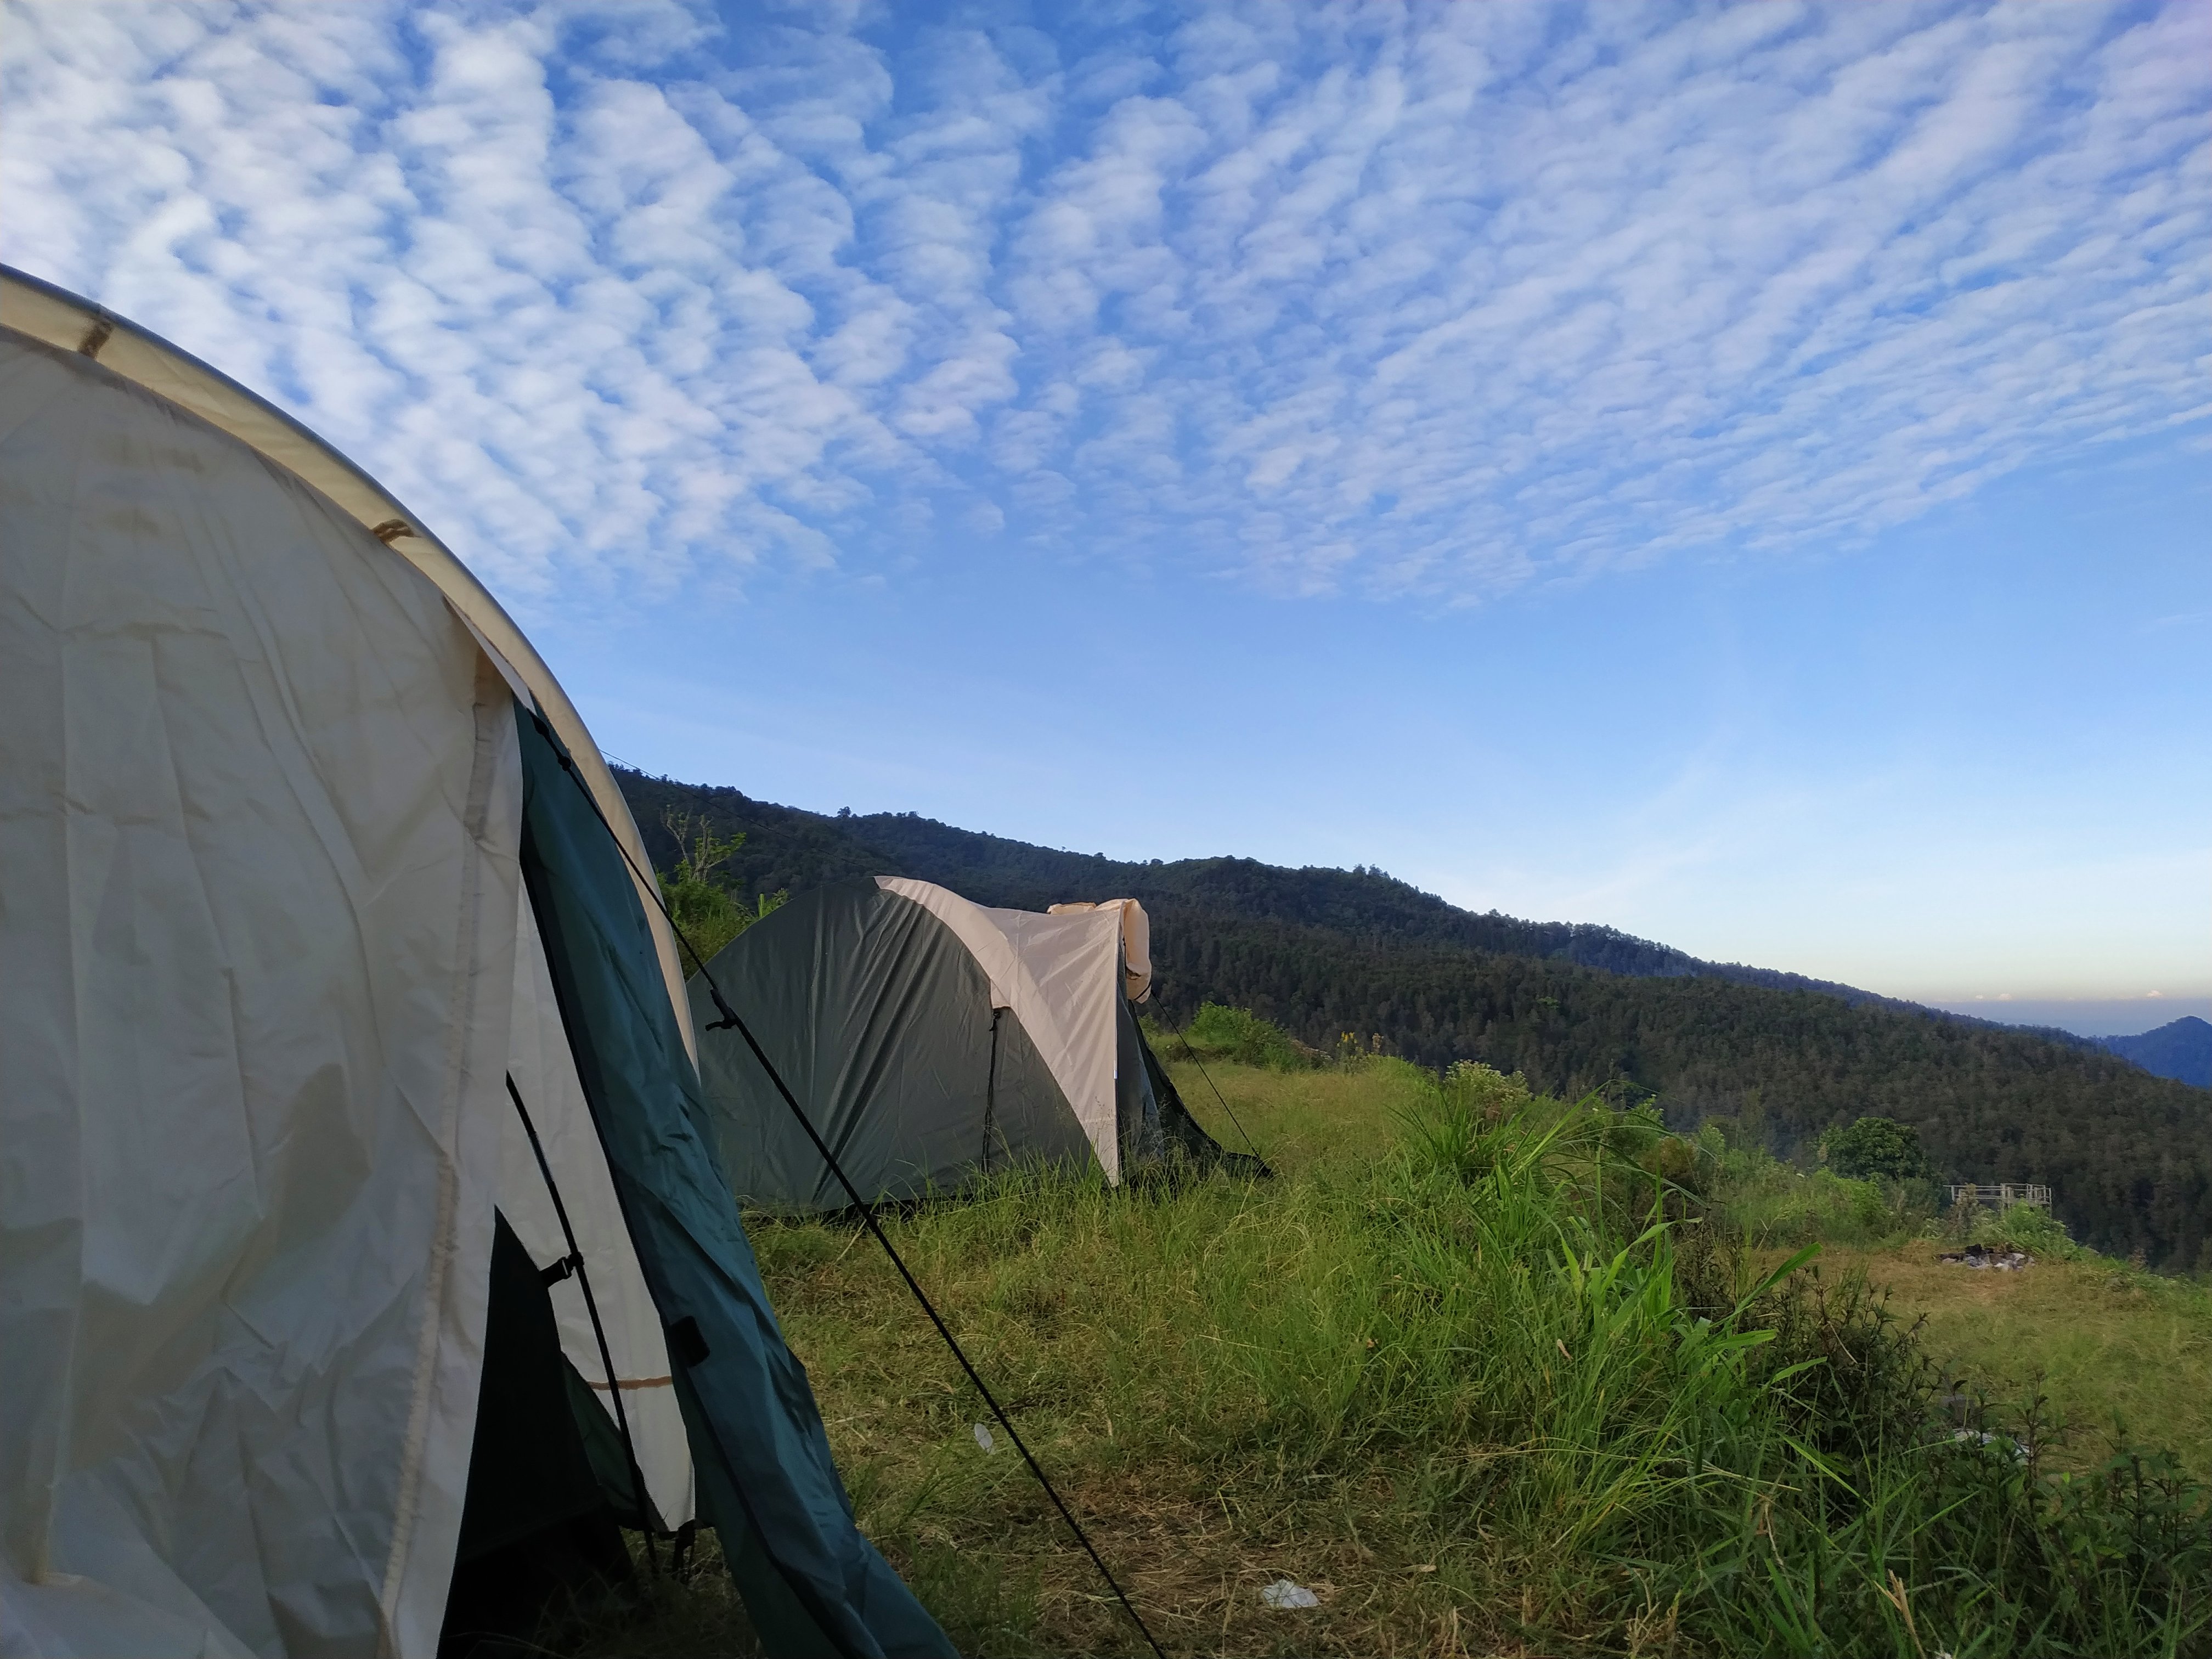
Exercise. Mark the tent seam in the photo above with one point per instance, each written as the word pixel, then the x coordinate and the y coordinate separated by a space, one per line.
pixel 445 1246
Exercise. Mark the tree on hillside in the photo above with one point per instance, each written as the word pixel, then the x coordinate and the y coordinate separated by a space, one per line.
pixel 1875 1149
pixel 704 910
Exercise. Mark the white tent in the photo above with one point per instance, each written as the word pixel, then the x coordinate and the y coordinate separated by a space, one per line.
pixel 299 897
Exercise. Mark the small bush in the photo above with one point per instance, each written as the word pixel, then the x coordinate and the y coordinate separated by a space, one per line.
pixel 1770 1203
pixel 1455 1126
pixel 2027 1227
pixel 1241 1035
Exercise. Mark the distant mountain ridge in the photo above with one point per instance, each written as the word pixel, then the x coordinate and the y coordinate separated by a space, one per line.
pixel 788 846
pixel 1328 953
pixel 2180 1049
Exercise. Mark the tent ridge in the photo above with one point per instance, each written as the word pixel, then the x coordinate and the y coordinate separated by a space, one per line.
pixel 52 316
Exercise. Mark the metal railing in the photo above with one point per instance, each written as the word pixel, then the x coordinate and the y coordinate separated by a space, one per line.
pixel 2002 1195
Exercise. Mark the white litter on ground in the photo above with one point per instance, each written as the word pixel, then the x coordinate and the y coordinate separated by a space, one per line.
pixel 983 1438
pixel 2002 1260
pixel 1284 1594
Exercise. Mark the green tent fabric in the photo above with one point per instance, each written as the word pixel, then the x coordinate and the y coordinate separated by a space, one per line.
pixel 920 1032
pixel 1186 1140
pixel 881 1023
pixel 767 1482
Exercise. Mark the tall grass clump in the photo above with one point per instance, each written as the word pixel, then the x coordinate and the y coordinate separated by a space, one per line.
pixel 2029 1227
pixel 1770 1203
pixel 1764 1455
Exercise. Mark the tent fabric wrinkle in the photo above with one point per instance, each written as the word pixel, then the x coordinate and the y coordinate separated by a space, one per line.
pixel 258 943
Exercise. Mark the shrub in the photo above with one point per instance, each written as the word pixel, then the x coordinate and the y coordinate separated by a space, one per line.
pixel 1240 1035
pixel 2027 1227
pixel 1875 1149
pixel 1768 1202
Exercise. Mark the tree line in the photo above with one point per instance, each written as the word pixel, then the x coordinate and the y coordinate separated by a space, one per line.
pixel 1327 952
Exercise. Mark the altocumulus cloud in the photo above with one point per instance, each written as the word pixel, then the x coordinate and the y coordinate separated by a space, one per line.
pixel 1433 302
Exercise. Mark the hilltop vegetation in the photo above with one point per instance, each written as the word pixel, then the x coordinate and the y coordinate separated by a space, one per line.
pixel 788 848
pixel 1488 1372
pixel 2129 1154
pixel 1780 1059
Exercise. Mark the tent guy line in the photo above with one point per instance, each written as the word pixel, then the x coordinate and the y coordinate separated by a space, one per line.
pixel 731 1021
pixel 1223 1098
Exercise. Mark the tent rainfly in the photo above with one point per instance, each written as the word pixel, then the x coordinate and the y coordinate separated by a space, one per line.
pixel 312 885
pixel 933 1041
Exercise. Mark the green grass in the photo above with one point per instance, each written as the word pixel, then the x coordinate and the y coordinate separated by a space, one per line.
pixel 1770 1203
pixel 2114 1355
pixel 1484 1371
pixel 2120 1355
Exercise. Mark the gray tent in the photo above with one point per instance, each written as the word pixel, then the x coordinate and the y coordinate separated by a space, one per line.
pixel 311 882
pixel 933 1041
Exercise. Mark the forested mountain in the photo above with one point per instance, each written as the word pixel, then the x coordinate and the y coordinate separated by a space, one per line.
pixel 2180 1049
pixel 1327 952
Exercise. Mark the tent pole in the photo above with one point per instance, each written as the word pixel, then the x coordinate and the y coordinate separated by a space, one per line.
pixel 575 1264
pixel 991 1091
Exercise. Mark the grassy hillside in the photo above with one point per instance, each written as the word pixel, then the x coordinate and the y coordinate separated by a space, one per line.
pixel 2119 1354
pixel 1331 953
pixel 2130 1154
pixel 1446 1372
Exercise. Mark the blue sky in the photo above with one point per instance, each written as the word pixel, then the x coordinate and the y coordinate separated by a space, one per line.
pixel 1737 474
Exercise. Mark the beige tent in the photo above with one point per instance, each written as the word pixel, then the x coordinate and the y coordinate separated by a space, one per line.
pixel 1060 972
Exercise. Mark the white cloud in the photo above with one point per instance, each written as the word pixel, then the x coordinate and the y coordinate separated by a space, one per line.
pixel 1399 301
